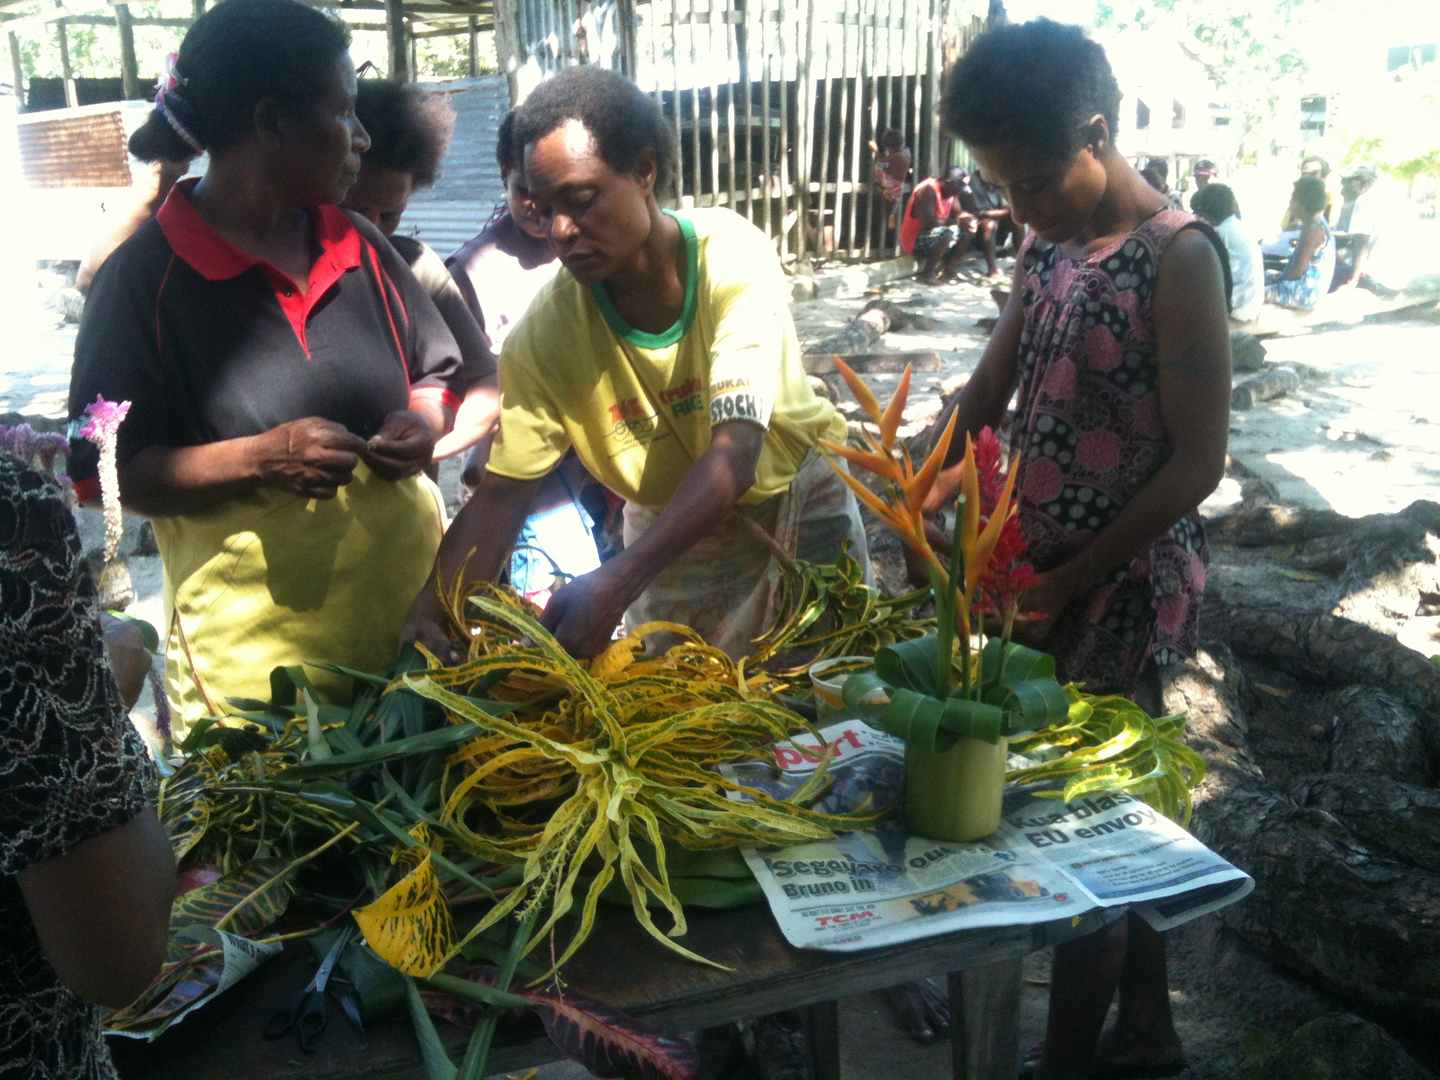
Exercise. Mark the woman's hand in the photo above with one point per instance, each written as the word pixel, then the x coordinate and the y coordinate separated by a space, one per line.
pixel 583 613
pixel 1044 602
pixel 402 447
pixel 428 625
pixel 312 458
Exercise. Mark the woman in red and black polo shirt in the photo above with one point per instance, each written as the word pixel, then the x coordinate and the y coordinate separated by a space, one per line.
pixel 287 376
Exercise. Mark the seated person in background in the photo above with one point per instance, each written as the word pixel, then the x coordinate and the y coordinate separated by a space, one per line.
pixel 86 872
pixel 993 224
pixel 1356 231
pixel 1216 204
pixel 1306 278
pixel 409 133
pixel 891 168
pixel 1204 172
pixel 934 227
pixel 1317 167
pixel 156 180
pixel 1157 175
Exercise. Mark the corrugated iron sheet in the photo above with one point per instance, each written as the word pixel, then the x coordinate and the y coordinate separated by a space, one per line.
pixel 469 188
pixel 75 151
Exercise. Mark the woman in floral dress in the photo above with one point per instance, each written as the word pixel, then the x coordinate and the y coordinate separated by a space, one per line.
pixel 1116 338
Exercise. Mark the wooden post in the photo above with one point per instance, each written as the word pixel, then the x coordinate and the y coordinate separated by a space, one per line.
pixel 916 14
pixel 473 29
pixel 197 8
pixel 414 53
pixel 874 90
pixel 932 110
pixel 742 46
pixel 509 51
pixel 784 164
pixel 72 95
pixel 17 72
pixel 856 127
pixel 826 31
pixel 129 69
pixel 843 109
pixel 692 67
pixel 985 1019
pixel 764 123
pixel 805 128
pixel 629 38
pixel 710 62
pixel 675 101
pixel 396 51
pixel 728 15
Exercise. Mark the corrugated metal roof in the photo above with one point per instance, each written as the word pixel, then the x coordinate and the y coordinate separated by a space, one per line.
pixel 469 188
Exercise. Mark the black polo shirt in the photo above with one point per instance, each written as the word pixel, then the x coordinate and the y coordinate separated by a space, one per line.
pixel 209 343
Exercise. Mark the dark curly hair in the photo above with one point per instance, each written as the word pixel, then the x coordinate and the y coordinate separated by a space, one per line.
pixel 409 129
pixel 623 120
pixel 1215 203
pixel 1036 84
pixel 234 56
pixel 1309 194
pixel 506 154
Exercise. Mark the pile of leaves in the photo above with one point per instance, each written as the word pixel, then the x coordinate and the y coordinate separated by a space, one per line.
pixel 828 611
pixel 458 813
pixel 611 762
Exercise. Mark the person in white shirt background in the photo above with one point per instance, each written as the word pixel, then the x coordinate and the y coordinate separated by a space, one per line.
pixel 1357 231
pixel 1216 204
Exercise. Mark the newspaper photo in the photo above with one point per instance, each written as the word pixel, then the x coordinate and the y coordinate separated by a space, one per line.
pixel 1047 861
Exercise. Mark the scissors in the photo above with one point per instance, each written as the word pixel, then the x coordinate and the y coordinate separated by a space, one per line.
pixel 308 1016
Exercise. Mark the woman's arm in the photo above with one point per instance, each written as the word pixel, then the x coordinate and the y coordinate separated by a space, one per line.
pixel 1305 249
pixel 475 421
pixel 102 910
pixel 982 400
pixel 476 545
pixel 1192 330
pixel 92 862
pixel 584 613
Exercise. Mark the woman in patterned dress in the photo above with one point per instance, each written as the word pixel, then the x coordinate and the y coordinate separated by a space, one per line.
pixel 86 874
pixel 1306 277
pixel 1116 338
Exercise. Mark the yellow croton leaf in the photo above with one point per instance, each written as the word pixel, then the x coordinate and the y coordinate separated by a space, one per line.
pixel 409 926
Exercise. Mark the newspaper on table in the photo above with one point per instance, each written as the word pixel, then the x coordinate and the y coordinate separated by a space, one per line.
pixel 1047 861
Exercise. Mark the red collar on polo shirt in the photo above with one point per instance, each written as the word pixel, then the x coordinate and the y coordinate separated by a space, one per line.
pixel 214 258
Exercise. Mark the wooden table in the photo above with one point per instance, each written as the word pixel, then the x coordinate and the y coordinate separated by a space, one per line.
pixel 622 967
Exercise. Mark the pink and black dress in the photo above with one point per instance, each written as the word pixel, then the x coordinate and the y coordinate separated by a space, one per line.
pixel 1090 433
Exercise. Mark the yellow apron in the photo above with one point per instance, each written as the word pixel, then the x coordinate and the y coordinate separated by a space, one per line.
pixel 271 579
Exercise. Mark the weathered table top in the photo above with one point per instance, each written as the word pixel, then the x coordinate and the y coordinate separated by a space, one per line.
pixel 620 966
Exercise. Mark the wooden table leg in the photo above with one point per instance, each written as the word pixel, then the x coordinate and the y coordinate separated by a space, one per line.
pixel 985 1021
pixel 822 1032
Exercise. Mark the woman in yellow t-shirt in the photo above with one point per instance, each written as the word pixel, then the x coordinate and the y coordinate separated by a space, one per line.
pixel 664 354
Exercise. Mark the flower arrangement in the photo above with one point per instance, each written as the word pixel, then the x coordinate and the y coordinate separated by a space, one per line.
pixel 957 694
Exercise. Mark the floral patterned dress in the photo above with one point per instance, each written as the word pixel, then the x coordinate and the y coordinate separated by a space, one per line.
pixel 71 766
pixel 1090 434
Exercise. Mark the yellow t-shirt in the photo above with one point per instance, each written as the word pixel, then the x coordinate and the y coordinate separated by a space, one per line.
pixel 638 407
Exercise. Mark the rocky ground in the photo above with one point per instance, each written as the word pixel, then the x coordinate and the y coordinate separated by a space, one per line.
pixel 1352 434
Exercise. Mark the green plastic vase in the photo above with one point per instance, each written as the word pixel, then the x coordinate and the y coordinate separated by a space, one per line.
pixel 955 794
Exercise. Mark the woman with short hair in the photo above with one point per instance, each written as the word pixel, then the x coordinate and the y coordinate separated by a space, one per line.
pixel 409 134
pixel 287 375
pixel 1307 276
pixel 1216 204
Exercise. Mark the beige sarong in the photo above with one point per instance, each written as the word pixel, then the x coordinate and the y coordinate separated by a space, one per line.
pixel 725 586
